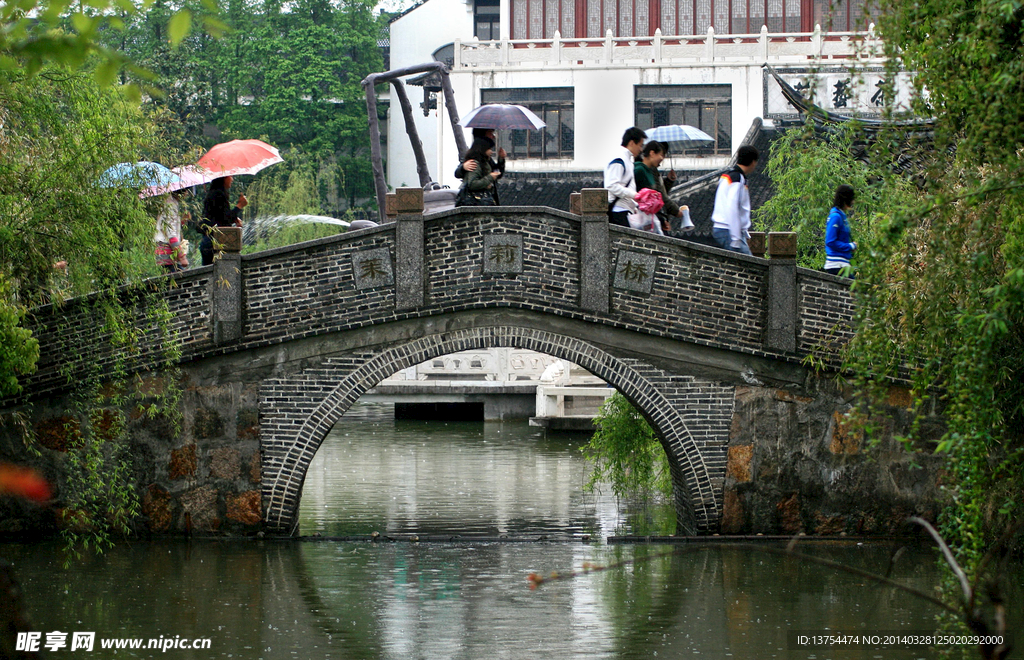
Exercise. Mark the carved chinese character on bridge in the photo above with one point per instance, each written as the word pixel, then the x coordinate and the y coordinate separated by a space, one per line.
pixel 634 271
pixel 503 253
pixel 372 268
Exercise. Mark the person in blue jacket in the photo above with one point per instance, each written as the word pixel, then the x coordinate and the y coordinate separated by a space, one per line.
pixel 838 246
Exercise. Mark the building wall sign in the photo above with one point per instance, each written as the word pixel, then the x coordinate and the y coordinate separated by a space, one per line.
pixel 837 89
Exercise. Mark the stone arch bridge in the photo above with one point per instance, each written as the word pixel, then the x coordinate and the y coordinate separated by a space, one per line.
pixel 276 346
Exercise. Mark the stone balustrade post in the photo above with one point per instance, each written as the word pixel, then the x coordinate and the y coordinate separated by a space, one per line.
pixel 658 38
pixel 574 204
pixel 763 38
pixel 227 292
pixel 757 243
pixel 595 251
pixel 390 210
pixel 409 258
pixel 709 45
pixel 609 45
pixel 783 314
pixel 556 48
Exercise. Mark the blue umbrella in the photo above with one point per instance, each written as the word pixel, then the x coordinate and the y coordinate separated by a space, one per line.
pixel 680 135
pixel 143 174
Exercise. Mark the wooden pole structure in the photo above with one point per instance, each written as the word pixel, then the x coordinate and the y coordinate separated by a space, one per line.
pixel 379 184
pixel 414 134
pixel 371 109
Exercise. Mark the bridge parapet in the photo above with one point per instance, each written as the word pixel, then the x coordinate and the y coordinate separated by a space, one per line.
pixel 467 260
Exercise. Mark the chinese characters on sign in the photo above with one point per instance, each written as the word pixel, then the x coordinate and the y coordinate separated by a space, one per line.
pixel 372 268
pixel 634 271
pixel 838 89
pixel 503 253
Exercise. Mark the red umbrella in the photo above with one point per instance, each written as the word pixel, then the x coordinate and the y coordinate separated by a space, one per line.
pixel 239 157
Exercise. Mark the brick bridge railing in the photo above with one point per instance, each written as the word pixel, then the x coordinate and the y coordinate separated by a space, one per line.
pixel 316 324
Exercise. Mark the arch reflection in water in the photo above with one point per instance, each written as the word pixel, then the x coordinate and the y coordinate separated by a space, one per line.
pixel 470 601
pixel 375 473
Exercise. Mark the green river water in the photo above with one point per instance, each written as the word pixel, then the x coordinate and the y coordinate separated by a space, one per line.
pixel 468 597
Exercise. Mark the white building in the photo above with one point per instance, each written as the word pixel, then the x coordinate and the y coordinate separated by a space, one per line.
pixel 592 68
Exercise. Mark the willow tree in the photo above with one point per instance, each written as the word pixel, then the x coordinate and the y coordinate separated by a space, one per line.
pixel 62 123
pixel 942 287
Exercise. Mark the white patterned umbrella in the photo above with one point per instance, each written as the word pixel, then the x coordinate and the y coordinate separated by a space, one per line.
pixel 501 115
pixel 187 176
pixel 680 136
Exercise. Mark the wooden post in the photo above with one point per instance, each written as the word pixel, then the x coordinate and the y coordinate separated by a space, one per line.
pixel 413 133
pixel 380 186
pixel 371 109
pixel 453 112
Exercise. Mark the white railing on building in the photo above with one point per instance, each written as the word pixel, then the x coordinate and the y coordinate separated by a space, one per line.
pixel 555 401
pixel 493 365
pixel 669 50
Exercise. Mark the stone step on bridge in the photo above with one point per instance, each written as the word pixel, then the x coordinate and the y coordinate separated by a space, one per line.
pixel 277 345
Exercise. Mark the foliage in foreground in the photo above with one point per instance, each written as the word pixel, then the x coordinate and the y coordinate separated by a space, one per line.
pixel 625 452
pixel 942 287
pixel 63 236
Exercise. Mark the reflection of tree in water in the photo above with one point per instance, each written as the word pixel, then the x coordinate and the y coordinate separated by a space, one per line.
pixel 667 595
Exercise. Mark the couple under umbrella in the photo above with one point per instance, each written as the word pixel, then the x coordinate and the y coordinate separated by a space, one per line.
pixel 479 170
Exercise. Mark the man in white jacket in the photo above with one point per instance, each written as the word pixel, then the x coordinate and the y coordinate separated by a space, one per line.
pixel 732 203
pixel 618 177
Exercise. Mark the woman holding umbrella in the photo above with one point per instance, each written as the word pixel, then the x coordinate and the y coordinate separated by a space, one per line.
pixel 478 184
pixel 226 161
pixel 218 212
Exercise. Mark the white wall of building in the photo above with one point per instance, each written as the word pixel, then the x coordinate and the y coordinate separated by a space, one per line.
pixel 414 38
pixel 603 84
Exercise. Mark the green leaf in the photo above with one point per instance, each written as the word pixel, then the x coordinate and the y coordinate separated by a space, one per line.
pixel 179 26
pixel 106 72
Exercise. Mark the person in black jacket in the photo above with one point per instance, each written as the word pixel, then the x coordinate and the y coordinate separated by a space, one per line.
pixel 218 212
pixel 468 165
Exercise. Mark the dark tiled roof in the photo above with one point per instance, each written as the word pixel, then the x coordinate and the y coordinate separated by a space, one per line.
pixel 545 188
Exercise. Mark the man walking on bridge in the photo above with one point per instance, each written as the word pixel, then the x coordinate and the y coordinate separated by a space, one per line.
pixel 732 203
pixel 618 178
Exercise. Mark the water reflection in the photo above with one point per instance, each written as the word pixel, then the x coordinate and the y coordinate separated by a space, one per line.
pixel 470 601
pixel 375 473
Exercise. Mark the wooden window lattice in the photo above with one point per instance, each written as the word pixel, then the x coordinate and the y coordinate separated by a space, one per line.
pixel 540 19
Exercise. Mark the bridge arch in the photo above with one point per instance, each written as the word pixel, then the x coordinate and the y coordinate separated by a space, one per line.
pixel 290 445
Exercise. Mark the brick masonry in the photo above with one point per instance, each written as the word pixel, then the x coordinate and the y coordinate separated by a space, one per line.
pixel 676 341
